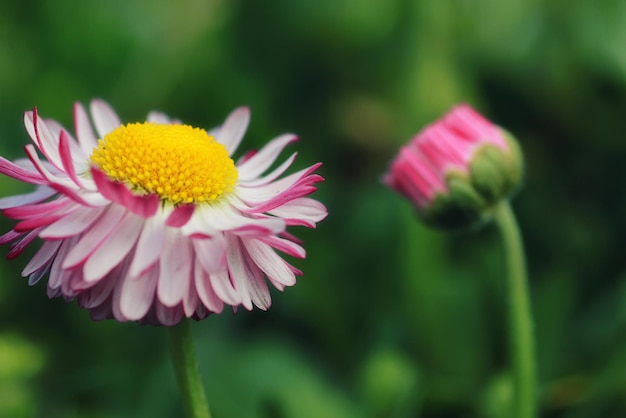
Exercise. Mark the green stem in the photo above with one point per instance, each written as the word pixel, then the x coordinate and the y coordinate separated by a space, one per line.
pixel 522 344
pixel 186 369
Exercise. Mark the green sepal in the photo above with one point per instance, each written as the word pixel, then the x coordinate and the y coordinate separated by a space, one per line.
pixel 494 174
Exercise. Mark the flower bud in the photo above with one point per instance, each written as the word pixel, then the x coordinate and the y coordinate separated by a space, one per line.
pixel 455 170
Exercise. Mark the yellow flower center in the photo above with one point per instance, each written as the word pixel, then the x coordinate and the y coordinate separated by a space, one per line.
pixel 180 163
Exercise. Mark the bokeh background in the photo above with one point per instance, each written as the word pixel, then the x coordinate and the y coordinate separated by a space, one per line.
pixel 390 319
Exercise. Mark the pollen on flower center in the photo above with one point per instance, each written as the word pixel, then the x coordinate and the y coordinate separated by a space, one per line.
pixel 180 163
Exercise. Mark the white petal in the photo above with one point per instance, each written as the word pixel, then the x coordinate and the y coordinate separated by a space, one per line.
pixel 175 266
pixel 149 246
pixel 41 193
pixel 271 176
pixel 41 258
pixel 57 273
pixel 137 294
pixel 104 117
pixel 168 316
pixel 158 117
pixel 205 289
pixel 72 225
pixel 26 164
pixel 54 127
pixel 114 249
pixel 233 129
pixel 94 236
pixel 248 279
pixel 269 262
pixel 190 299
pixel 287 246
pixel 84 131
pixel 209 221
pixel 98 294
pixel 43 170
pixel 67 285
pixel 264 193
pixel 238 272
pixel 263 159
pixel 35 277
pixel 304 209
pixel 220 281
pixel 260 292
pixel 211 252
pixel 78 156
pixel 42 137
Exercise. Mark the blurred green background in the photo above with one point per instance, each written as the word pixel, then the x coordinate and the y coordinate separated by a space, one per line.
pixel 390 319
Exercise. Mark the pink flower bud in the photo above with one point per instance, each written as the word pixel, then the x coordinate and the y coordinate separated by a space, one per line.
pixel 456 169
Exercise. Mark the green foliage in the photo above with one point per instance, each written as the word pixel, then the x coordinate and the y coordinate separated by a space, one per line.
pixel 20 361
pixel 390 319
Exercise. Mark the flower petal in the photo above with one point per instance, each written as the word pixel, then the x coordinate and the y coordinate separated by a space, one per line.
pixel 263 159
pixel 247 277
pixel 136 295
pixel 114 248
pixel 180 216
pixel 43 138
pixel 158 117
pixel 94 236
pixel 271 176
pixel 269 262
pixel 37 209
pixel 148 248
pixel 37 222
pixel 205 290
pixel 175 267
pixel 57 273
pixel 209 221
pixel 144 206
pixel 223 287
pixel 46 253
pixel 233 129
pixel 211 252
pixel 270 196
pixel 285 245
pixel 14 171
pixel 66 159
pixel 9 236
pixel 40 194
pixel 77 156
pixel 104 117
pixel 19 246
pixel 99 292
pixel 238 272
pixel 75 224
pixel 259 291
pixel 61 185
pixel 301 211
pixel 169 316
pixel 191 299
pixel 84 131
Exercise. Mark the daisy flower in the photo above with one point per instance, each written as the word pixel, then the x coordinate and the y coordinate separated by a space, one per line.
pixel 155 221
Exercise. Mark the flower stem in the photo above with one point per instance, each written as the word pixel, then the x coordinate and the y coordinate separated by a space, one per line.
pixel 522 344
pixel 186 369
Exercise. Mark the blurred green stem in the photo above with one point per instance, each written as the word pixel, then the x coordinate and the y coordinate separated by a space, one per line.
pixel 522 342
pixel 186 369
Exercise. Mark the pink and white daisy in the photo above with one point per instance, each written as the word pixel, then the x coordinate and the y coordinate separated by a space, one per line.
pixel 154 221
